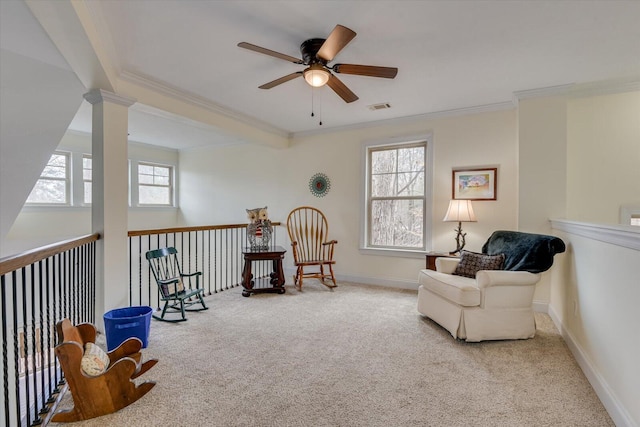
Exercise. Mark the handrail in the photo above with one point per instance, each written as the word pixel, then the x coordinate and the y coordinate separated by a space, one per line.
pixel 213 250
pixel 15 262
pixel 187 229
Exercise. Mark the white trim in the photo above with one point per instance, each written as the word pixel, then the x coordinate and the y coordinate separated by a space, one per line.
pixel 575 90
pixel 68 181
pixel 498 106
pixel 198 101
pixel 96 96
pixel 608 87
pixel 428 196
pixel 542 92
pixel 612 404
pixel 365 280
pixel 540 307
pixel 626 236
pixel 135 176
pixel 400 253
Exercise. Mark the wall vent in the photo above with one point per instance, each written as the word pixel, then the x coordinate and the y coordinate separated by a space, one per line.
pixel 382 106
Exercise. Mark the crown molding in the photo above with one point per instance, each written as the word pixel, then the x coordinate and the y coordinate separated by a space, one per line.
pixel 608 87
pixel 499 106
pixel 96 96
pixel 198 101
pixel 559 90
pixel 577 90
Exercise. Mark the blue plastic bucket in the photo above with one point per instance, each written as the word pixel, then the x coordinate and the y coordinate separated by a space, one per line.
pixel 123 323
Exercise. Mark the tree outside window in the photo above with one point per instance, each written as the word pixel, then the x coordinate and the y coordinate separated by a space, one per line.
pixel 53 185
pixel 87 178
pixel 397 196
pixel 154 184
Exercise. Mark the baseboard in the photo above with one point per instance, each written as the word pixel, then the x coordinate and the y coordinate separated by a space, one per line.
pixel 387 283
pixel 616 410
pixel 541 307
pixel 538 306
pixel 365 280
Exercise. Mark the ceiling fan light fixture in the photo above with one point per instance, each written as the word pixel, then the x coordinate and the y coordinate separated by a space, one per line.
pixel 316 75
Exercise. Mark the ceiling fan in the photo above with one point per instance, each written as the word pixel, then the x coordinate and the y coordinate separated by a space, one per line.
pixel 316 54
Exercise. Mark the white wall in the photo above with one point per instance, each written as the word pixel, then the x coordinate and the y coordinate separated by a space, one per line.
pixel 218 184
pixel 51 96
pixel 542 124
pixel 36 226
pixel 594 285
pixel 594 299
pixel 603 145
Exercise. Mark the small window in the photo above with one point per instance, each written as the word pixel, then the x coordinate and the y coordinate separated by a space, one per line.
pixel 87 178
pixel 155 184
pixel 52 188
pixel 396 196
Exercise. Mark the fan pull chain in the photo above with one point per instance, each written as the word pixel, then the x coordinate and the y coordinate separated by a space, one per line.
pixel 313 91
pixel 320 108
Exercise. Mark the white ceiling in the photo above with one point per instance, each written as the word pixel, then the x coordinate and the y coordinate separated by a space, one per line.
pixel 450 55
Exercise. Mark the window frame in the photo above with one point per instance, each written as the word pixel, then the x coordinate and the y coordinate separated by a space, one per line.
pixel 84 181
pixel 75 191
pixel 67 182
pixel 171 186
pixel 366 199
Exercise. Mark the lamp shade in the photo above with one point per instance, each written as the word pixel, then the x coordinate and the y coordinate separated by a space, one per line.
pixel 316 75
pixel 460 211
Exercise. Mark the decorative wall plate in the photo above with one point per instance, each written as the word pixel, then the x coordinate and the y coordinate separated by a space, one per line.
pixel 319 184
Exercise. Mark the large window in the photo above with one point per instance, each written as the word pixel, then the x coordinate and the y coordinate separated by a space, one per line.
pixel 396 196
pixel 155 184
pixel 52 188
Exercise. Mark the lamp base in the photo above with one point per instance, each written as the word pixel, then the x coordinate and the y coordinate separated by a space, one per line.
pixel 460 239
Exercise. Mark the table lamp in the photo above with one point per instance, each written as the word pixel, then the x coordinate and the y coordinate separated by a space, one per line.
pixel 459 211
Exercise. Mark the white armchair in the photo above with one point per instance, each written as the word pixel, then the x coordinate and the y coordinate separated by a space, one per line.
pixel 496 305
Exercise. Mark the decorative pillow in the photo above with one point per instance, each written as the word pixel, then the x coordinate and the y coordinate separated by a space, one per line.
pixel 95 361
pixel 172 288
pixel 472 262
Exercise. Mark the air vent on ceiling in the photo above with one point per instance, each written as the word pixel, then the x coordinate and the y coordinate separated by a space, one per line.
pixel 382 106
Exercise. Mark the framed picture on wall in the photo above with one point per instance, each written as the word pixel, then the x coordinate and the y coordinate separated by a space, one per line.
pixel 475 184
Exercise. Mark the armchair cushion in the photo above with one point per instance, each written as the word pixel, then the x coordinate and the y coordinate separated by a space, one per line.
pixel 471 263
pixel 94 361
pixel 461 290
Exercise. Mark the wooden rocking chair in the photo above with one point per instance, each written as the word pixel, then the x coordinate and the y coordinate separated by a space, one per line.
pixel 108 392
pixel 308 230
pixel 170 279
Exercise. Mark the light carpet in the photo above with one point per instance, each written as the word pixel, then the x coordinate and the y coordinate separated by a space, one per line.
pixel 354 356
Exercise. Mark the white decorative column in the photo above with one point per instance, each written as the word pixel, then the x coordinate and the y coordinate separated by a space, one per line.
pixel 110 202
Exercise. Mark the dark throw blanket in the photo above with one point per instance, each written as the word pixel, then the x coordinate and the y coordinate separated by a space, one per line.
pixel 524 251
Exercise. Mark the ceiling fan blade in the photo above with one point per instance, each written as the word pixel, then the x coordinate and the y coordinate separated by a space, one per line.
pixel 281 80
pixel 366 70
pixel 340 88
pixel 337 40
pixel 269 52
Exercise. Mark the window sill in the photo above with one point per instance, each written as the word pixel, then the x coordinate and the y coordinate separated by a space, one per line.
pixel 403 253
pixel 153 208
pixel 45 208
